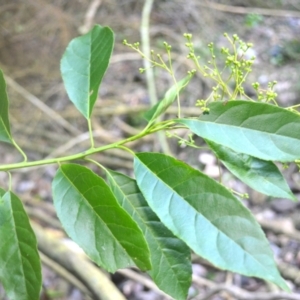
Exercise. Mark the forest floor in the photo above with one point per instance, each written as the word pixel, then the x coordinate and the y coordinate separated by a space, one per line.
pixel 34 35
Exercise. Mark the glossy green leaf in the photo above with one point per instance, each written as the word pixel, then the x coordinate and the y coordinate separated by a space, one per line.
pixel 170 96
pixel 92 217
pixel 205 215
pixel 5 135
pixel 20 268
pixel 83 66
pixel 170 257
pixel 261 130
pixel 261 175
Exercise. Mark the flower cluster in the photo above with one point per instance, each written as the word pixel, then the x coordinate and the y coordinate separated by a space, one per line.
pixel 229 71
pixel 156 59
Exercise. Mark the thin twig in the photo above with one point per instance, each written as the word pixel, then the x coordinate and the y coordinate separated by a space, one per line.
pixel 250 10
pixel 125 109
pixel 42 216
pixel 77 264
pixel 79 139
pixel 239 293
pixel 110 107
pixel 289 272
pixel 116 58
pixel 145 36
pixel 148 283
pixel 277 228
pixel 89 16
pixel 62 272
pixel 39 104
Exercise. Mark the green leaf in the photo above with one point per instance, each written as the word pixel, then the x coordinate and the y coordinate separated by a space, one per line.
pixel 261 130
pixel 92 217
pixel 5 135
pixel 20 268
pixel 83 66
pixel 261 175
pixel 206 216
pixel 170 96
pixel 170 257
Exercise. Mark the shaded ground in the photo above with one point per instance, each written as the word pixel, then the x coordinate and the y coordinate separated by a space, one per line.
pixel 34 35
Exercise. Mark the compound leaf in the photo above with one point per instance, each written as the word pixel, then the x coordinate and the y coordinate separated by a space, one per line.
pixel 20 268
pixel 83 66
pixel 170 257
pixel 261 130
pixel 205 215
pixel 5 135
pixel 92 217
pixel 170 96
pixel 260 175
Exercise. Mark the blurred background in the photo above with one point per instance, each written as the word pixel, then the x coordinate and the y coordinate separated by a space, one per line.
pixel 34 35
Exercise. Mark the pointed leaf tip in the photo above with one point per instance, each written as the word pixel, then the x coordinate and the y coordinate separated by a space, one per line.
pixel 261 130
pixel 261 175
pixel 205 215
pixel 83 66
pixel 170 257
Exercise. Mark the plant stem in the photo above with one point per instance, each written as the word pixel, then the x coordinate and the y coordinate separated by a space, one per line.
pixel 149 71
pixel 127 149
pixel 91 134
pixel 19 149
pixel 86 153
pixel 10 181
pixel 96 163
pixel 146 50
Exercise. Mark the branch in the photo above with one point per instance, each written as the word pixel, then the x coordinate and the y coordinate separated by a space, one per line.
pixel 43 107
pixel 62 272
pixel 241 294
pixel 93 278
pixel 251 10
pixel 89 16
pixel 277 228
pixel 148 283
pixel 149 70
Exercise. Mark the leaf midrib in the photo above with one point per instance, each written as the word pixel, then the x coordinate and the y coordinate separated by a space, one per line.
pixel 71 183
pixel 16 238
pixel 205 218
pixel 147 228
pixel 247 129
